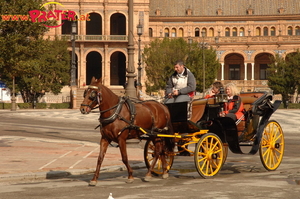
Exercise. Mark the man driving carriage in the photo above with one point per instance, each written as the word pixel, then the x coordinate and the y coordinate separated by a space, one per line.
pixel 181 85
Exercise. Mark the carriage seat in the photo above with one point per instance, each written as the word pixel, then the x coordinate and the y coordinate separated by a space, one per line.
pixel 198 108
pixel 249 98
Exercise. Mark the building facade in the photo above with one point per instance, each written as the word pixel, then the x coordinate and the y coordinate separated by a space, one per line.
pixel 245 34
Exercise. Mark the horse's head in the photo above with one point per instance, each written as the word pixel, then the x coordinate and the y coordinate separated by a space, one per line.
pixel 92 96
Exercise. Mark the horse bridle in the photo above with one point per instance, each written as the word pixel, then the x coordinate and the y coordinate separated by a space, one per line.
pixel 95 95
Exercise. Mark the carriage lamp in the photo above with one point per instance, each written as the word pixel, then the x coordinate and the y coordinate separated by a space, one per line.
pixel 139 33
pixel 73 66
pixel 221 97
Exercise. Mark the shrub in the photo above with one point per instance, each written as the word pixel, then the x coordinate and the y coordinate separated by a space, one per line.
pixel 41 106
pixel 291 106
pixel 25 105
pixel 59 106
pixel 5 105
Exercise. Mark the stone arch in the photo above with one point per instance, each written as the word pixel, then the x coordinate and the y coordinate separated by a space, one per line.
pixel 117 68
pixel 93 66
pixel 118 24
pixel 254 54
pixel 234 66
pixel 261 61
pixel 94 25
pixel 222 58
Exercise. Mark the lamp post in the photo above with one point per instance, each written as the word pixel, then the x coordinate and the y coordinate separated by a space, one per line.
pixel 13 98
pixel 130 89
pixel 217 41
pixel 73 66
pixel 203 59
pixel 139 32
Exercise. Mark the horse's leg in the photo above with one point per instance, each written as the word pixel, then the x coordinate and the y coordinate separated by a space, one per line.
pixel 103 148
pixel 123 150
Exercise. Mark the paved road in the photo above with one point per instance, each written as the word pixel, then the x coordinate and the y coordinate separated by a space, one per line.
pixel 242 176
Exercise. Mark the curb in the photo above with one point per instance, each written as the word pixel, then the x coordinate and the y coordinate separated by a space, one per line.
pixel 63 174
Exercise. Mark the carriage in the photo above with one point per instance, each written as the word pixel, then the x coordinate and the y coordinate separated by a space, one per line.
pixel 212 135
pixel 123 118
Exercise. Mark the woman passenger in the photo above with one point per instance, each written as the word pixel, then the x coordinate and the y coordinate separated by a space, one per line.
pixel 234 108
pixel 215 89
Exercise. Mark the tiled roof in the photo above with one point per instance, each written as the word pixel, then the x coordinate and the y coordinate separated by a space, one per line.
pixel 229 7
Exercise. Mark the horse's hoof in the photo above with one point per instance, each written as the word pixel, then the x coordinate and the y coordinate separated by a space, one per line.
pixel 92 183
pixel 147 179
pixel 165 176
pixel 129 181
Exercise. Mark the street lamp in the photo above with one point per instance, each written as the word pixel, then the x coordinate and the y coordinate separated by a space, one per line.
pixel 217 41
pixel 203 59
pixel 13 98
pixel 73 66
pixel 139 32
pixel 130 90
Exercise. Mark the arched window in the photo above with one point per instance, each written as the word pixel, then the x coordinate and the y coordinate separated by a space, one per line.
pixel 150 32
pixel 167 32
pixel 180 32
pixel 204 32
pixel 290 30
pixel 227 32
pixel 242 32
pixel 297 30
pixel 266 31
pixel 94 25
pixel 117 24
pixel 173 33
pixel 234 32
pixel 197 32
pixel 258 31
pixel 211 32
pixel 273 31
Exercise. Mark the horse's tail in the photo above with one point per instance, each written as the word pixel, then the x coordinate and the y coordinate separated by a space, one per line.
pixel 170 142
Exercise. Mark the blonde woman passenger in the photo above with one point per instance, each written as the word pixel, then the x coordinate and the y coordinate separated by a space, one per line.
pixel 234 108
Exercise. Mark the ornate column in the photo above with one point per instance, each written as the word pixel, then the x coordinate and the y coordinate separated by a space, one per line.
pixel 252 71
pixel 222 71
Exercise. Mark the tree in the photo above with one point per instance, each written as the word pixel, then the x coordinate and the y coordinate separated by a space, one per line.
pixel 195 63
pixel 160 56
pixel 283 75
pixel 37 64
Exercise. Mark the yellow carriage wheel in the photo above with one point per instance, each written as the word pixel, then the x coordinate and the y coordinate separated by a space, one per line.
pixel 209 155
pixel 225 151
pixel 149 157
pixel 272 146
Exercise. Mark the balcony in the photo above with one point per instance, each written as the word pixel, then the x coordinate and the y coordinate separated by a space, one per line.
pixel 94 38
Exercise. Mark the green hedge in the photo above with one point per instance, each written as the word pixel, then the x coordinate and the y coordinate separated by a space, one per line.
pixel 5 105
pixel 291 106
pixel 59 106
pixel 37 106
pixel 41 106
pixel 25 105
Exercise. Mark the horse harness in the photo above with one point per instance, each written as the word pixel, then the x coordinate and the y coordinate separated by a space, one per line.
pixel 96 96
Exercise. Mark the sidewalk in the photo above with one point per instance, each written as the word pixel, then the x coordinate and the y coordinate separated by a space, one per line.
pixel 33 158
pixel 28 158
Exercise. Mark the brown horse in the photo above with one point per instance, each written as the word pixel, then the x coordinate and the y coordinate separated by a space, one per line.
pixel 121 119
